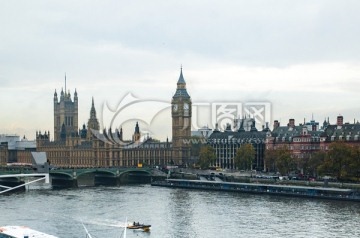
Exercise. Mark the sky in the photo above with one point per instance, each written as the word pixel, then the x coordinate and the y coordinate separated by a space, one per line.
pixel 300 58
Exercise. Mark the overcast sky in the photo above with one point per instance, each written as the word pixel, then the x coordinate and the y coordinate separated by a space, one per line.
pixel 303 57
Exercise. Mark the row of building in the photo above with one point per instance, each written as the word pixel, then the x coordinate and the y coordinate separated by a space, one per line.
pixel 302 140
pixel 91 147
pixel 14 149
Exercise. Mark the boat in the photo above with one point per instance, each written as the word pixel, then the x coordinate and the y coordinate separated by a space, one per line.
pixel 22 232
pixel 26 232
pixel 138 226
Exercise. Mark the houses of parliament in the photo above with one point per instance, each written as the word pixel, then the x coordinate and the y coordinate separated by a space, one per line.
pixel 88 147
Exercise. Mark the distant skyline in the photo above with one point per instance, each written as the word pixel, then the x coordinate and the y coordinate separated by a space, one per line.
pixel 303 57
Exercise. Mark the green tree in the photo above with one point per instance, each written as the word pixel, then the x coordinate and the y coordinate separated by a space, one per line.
pixel 300 163
pixel 313 164
pixel 245 156
pixel 354 165
pixel 338 161
pixel 284 162
pixel 206 157
pixel 270 158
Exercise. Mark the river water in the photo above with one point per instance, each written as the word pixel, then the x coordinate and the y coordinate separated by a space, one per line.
pixel 177 213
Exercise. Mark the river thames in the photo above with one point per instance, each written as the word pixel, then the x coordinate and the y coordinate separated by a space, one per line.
pixel 177 213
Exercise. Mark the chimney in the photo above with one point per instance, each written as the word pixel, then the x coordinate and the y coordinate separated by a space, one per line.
pixel 276 124
pixel 314 128
pixel 340 121
pixel 291 123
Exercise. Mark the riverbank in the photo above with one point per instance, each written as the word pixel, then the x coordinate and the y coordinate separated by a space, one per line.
pixel 257 178
pixel 269 189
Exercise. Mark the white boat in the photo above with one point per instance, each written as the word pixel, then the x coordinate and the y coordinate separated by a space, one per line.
pixel 22 232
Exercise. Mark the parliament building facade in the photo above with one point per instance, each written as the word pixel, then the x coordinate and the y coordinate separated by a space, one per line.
pixel 90 147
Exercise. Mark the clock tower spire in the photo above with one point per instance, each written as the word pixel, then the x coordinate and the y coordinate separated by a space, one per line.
pixel 181 123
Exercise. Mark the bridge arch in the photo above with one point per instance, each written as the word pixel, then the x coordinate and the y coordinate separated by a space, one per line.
pixel 135 176
pixel 100 176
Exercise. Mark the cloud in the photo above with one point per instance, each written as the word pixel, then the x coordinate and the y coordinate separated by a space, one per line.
pixel 256 32
pixel 299 55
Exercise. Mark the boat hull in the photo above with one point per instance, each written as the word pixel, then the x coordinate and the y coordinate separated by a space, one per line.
pixel 145 228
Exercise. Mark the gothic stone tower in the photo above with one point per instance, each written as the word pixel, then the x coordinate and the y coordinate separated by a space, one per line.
pixel 65 115
pixel 181 122
pixel 136 135
pixel 93 123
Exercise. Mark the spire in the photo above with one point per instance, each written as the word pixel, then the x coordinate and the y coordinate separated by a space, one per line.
pixel 93 123
pixel 92 110
pixel 253 128
pixel 181 87
pixel 241 129
pixel 181 78
pixel 65 82
pixel 216 128
pixel 228 127
pixel 137 129
pixel 55 97
pixel 136 136
pixel 121 134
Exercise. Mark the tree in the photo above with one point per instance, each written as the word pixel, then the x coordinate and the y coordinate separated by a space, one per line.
pixel 206 157
pixel 300 163
pixel 245 156
pixel 338 161
pixel 270 158
pixel 284 162
pixel 354 165
pixel 313 164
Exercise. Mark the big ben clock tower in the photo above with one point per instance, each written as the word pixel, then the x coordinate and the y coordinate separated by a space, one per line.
pixel 181 123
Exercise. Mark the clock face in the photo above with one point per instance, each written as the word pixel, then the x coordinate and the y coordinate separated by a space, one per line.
pixel 175 107
pixel 186 106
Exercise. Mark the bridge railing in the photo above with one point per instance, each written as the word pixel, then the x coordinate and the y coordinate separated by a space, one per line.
pixel 7 189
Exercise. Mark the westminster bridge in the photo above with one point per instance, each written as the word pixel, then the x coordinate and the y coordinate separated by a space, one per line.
pixel 74 177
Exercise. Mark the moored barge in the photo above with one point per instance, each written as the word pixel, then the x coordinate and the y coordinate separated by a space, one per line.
pixel 256 188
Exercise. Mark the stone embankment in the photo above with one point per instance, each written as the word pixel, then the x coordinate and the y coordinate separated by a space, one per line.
pixel 256 177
